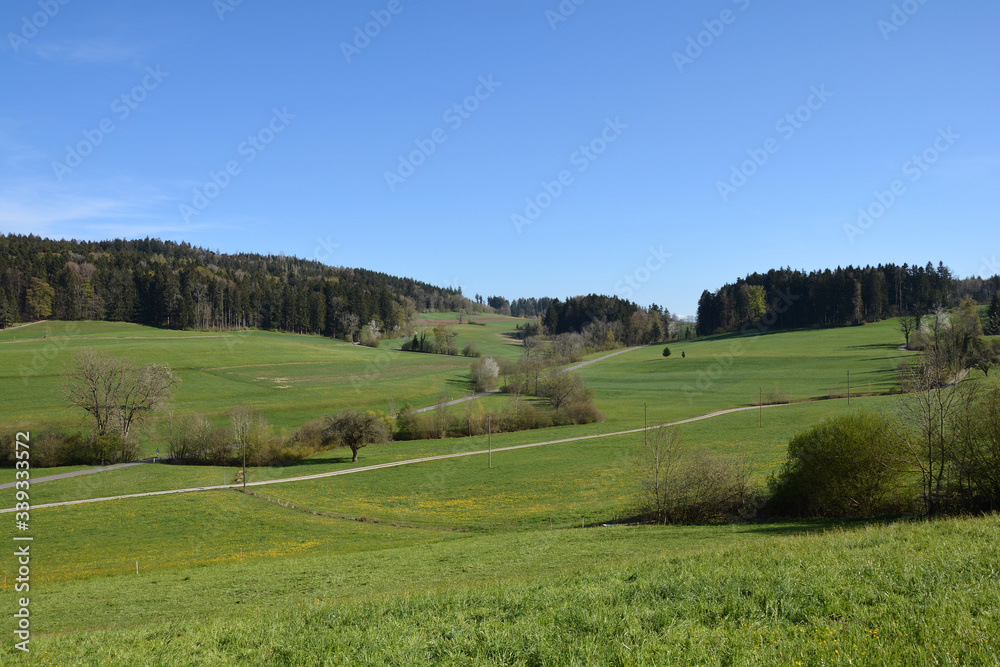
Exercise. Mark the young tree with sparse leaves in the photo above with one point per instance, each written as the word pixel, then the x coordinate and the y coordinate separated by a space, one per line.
pixel 350 428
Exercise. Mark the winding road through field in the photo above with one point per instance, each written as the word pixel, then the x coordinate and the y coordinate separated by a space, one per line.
pixel 393 464
pixel 497 391
pixel 77 473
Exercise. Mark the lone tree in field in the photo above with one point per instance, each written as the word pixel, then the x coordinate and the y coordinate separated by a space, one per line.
pixel 666 352
pixel 986 354
pixel 115 392
pixel 241 421
pixel 907 324
pixel 562 388
pixel 350 428
pixel 658 462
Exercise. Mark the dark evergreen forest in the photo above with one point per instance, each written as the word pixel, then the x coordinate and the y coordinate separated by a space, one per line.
pixel 790 299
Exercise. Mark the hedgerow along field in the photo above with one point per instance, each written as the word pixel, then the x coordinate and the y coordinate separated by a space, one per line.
pixel 605 464
pixel 449 502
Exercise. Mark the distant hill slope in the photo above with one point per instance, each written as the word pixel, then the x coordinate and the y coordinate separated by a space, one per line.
pixel 178 286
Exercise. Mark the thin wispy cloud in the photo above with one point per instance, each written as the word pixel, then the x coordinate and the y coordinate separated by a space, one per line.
pixel 87 52
pixel 35 207
pixel 121 209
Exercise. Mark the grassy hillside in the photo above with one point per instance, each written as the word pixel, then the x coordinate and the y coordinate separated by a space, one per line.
pixel 905 594
pixel 730 370
pixel 290 378
pixel 604 463
pixel 451 562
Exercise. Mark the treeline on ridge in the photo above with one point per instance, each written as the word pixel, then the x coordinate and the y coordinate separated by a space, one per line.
pixel 179 286
pixel 851 295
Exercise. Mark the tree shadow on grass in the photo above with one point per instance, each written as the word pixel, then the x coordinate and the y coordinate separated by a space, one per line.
pixel 874 346
pixel 460 385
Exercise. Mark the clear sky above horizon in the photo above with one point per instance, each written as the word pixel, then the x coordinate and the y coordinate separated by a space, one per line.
pixel 645 149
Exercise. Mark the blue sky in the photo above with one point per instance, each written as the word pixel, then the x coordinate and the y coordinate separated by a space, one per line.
pixel 645 149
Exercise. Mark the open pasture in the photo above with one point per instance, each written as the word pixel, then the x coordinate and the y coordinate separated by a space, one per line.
pixel 918 593
pixel 458 563
pixel 729 371
pixel 288 378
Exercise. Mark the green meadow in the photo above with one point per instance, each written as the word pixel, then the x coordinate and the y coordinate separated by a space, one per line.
pixel 456 562
pixel 291 379
pixel 810 594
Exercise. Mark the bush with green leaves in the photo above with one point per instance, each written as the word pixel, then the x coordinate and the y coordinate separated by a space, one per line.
pixel 354 429
pixel 847 466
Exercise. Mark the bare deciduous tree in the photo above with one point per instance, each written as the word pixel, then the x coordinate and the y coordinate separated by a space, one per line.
pixel 114 391
pixel 658 463
pixel 926 422
pixel 907 324
pixel 691 488
pixel 560 388
pixel 241 420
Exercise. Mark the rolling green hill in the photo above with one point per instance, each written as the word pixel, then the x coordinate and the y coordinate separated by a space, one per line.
pixel 452 562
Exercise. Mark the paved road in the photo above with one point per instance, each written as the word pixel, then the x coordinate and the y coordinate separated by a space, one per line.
pixel 88 471
pixel 457 401
pixel 26 324
pixel 393 464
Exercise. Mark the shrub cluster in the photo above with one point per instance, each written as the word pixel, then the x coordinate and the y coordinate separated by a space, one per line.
pixel 440 341
pixel 680 487
pixel 53 449
pixel 194 439
pixel 519 414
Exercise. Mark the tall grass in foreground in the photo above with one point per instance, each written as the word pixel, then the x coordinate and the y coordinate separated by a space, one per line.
pixel 903 594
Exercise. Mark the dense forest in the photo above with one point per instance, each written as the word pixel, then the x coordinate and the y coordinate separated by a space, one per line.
pixel 787 299
pixel 529 308
pixel 178 286
pixel 606 321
